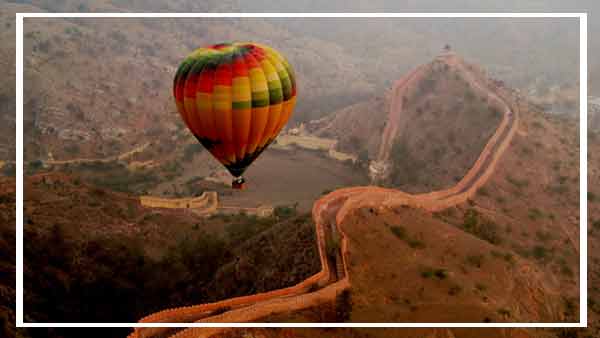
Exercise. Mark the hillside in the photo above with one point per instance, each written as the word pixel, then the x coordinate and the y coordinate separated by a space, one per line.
pixel 69 115
pixel 59 51
pixel 428 129
pixel 142 258
pixel 451 262
pixel 461 255
pixel 510 253
pixel 477 219
pixel 500 245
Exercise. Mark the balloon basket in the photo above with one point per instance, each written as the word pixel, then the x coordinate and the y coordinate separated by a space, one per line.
pixel 238 183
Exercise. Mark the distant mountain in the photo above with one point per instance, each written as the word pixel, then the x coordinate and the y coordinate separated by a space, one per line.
pixel 117 105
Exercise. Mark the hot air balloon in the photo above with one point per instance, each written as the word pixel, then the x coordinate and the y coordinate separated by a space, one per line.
pixel 235 97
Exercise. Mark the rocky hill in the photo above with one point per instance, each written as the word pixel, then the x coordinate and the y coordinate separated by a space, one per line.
pixel 429 128
pixel 87 248
pixel 500 245
pixel 114 106
pixel 128 100
pixel 510 253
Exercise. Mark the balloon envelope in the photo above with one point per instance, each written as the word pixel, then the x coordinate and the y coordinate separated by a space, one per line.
pixel 235 98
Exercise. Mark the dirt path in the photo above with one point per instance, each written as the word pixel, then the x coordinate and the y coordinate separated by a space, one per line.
pixel 329 213
pixel 119 157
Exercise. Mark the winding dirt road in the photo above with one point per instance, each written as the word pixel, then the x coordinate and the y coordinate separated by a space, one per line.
pixel 329 213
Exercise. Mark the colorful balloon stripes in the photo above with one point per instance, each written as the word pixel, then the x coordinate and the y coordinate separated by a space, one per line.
pixel 235 98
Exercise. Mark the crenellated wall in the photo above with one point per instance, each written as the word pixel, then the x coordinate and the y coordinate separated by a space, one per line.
pixel 340 203
pixel 199 202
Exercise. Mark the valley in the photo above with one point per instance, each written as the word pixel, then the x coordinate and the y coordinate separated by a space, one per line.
pixel 428 174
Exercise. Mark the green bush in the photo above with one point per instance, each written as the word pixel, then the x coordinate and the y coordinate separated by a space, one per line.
pixel 565 269
pixel 540 253
pixel 406 168
pixel 416 244
pixel 480 227
pixel 483 191
pixel 427 273
pixel 508 257
pixel 398 231
pixel 283 211
pixel 439 273
pixel 401 233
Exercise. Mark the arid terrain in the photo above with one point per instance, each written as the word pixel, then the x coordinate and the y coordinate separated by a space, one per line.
pixel 458 200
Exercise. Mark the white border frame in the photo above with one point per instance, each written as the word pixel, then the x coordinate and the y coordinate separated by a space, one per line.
pixel 583 216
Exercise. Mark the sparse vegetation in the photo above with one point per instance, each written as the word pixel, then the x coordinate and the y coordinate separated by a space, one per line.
pixel 519 183
pixel 440 273
pixel 194 257
pixel 483 191
pixel 116 176
pixel 429 272
pixel 455 290
pixel 508 257
pixel 343 306
pixel 570 307
pixel 544 236
pixel 565 269
pixel 559 189
pixel 285 211
pixel 504 312
pixel 541 253
pixel 475 260
pixel 480 287
pixel 477 225
pixel 535 214
pixel 405 167
pixel 401 233
pixel 568 332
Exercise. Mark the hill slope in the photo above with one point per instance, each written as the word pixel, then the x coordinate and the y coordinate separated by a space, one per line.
pixel 87 249
pixel 468 251
pixel 428 130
